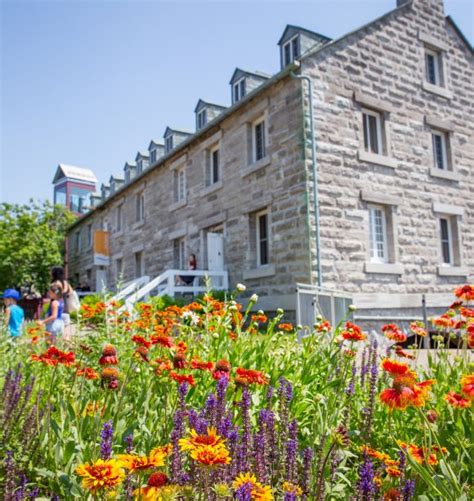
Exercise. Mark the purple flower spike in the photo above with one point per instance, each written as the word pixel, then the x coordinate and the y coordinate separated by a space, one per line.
pixel 244 492
pixel 128 443
pixel 106 435
pixel 366 479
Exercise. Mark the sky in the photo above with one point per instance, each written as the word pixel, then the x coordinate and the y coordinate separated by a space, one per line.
pixel 91 82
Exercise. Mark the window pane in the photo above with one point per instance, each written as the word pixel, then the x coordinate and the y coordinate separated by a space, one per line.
pixel 371 132
pixel 445 240
pixel 438 151
pixel 259 140
pixel 287 55
pixel 242 89
pixel 215 166
pixel 431 68
pixel 296 47
pixel 377 234
pixel 263 239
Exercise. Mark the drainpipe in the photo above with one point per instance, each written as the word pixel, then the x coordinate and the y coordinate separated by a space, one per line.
pixel 315 174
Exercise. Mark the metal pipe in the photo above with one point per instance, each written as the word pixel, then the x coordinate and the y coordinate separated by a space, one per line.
pixel 315 175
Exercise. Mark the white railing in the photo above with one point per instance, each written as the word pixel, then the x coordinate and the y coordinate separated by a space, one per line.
pixel 130 287
pixel 166 284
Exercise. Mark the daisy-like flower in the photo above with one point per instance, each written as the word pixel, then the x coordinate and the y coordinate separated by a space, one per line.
pixel 420 455
pixel 192 317
pixel 248 376
pixel 457 400
pixel 183 378
pixel 201 365
pixel 109 356
pixel 290 488
pixel 400 352
pixel 466 292
pixel 53 357
pixel 418 328
pixel 467 385
pixel 394 333
pixel 101 475
pixel 163 450
pixel 211 455
pixel 88 373
pixel 162 340
pixel 109 373
pixel 194 440
pixel 258 491
pixel 140 340
pixel 381 456
pixel 467 312
pixel 158 488
pixel 353 332
pixel 286 326
pixel 393 471
pixel 395 368
pixel 134 462
pixel 444 321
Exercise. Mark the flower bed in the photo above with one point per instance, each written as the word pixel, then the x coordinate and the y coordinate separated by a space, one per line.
pixel 210 402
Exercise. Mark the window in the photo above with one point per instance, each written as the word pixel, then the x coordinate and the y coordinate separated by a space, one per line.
pixel 214 174
pixel 378 234
pixel 138 264
pixel 179 250
pixel 446 236
pixel 291 50
pixel 433 66
pixel 60 195
pixel 89 235
pixel 372 122
pixel 439 142
pixel 259 147
pixel 238 91
pixel 168 143
pixel 180 184
pixel 262 238
pixel 153 156
pixel 139 207
pixel 119 218
pixel 201 119
pixel 119 268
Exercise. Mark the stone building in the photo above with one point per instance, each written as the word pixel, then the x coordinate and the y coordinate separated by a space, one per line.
pixel 388 112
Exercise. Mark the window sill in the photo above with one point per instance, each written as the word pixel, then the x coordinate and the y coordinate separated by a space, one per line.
pixel 386 268
pixel 177 205
pixel 373 158
pixel 437 89
pixel 211 188
pixel 263 271
pixel 445 174
pixel 250 169
pixel 138 224
pixel 452 271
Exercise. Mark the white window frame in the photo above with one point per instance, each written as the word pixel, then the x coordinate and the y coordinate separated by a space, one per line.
pixel 169 143
pixel 258 215
pixel 449 221
pixel 292 53
pixel 119 220
pixel 372 234
pixel 139 207
pixel 444 149
pixel 212 151
pixel 378 125
pixel 201 119
pixel 238 90
pixel 437 66
pixel 254 139
pixel 180 184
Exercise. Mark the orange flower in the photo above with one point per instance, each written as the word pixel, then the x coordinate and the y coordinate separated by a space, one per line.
pixel 249 376
pixel 195 440
pixel 393 471
pixel 134 462
pixel 183 378
pixel 381 456
pixel 200 365
pixel 210 455
pixel 394 333
pixel 397 398
pixel 418 328
pixel 88 373
pixel 179 360
pixel 53 357
pixel 466 292
pixel 286 327
pixel 109 356
pixel 259 492
pixel 109 373
pixel 101 475
pixel 322 326
pixel 467 312
pixel 165 341
pixel 467 385
pixel 291 488
pixel 141 341
pixel 259 318
pixel 400 352
pixel 421 456
pixel 457 400
pixel 421 392
pixel 392 494
pixel 163 450
pixel 444 321
pixel 395 368
pixel 353 332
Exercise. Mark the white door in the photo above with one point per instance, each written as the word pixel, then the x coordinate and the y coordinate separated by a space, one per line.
pixel 215 251
pixel 100 280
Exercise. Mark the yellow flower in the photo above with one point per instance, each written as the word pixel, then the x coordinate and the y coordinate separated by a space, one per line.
pixel 149 493
pixel 195 440
pixel 164 450
pixel 211 455
pixel 101 475
pixel 133 462
pixel 292 488
pixel 259 492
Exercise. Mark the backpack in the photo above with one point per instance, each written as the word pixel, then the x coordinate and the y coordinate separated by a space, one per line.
pixel 72 302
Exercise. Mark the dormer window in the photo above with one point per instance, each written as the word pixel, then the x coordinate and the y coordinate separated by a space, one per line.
pixel 153 156
pixel 169 143
pixel 291 50
pixel 238 91
pixel 140 166
pixel 201 119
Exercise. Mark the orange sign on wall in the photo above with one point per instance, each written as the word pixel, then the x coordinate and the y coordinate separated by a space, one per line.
pixel 101 248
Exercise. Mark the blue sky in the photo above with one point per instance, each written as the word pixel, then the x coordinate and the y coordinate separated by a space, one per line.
pixel 91 82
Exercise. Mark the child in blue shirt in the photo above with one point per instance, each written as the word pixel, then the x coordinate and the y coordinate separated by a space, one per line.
pixel 54 321
pixel 14 314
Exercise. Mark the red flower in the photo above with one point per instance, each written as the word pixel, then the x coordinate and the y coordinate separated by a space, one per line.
pixel 109 356
pixel 183 378
pixel 88 373
pixel 142 352
pixel 466 292
pixel 52 356
pixel 142 341
pixel 467 385
pixel 353 332
pixel 201 365
pixel 395 368
pixel 394 333
pixel 286 327
pixel 165 341
pixel 467 312
pixel 249 376
pixel 444 321
pixel 418 328
pixel 400 352
pixel 457 400
pixel 158 479
pixel 179 360
pixel 397 398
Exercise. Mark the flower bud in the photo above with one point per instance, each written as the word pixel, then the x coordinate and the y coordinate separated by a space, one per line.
pixel 352 307
pixel 432 415
pixel 280 311
pixel 254 298
pixel 241 287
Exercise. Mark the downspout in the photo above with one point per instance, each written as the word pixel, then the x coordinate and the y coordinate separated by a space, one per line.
pixel 315 174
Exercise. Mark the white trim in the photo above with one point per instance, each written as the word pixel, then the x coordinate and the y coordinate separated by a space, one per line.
pixel 452 271
pixel 380 197
pixel 200 122
pixel 378 125
pixel 237 85
pixel 258 215
pixel 445 174
pixel 432 41
pixel 372 102
pixel 372 234
pixel 373 158
pixel 450 241
pixel 444 148
pixel 293 56
pixel 383 268
pixel 451 210
pixel 263 271
pixel 437 63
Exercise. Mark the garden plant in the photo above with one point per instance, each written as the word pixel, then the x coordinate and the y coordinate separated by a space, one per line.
pixel 213 401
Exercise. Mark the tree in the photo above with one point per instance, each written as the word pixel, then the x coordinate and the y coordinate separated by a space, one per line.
pixel 31 242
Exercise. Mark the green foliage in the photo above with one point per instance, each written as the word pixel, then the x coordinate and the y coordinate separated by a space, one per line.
pixel 31 242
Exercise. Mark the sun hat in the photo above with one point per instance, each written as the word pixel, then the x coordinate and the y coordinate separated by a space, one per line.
pixel 11 294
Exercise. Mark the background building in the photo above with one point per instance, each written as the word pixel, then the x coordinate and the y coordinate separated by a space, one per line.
pixel 73 187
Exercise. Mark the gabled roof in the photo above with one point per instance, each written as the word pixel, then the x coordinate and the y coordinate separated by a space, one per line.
pixel 142 154
pixel 73 172
pixel 155 142
pixel 239 73
pixel 129 165
pixel 116 178
pixel 169 131
pixel 312 34
pixel 104 186
pixel 460 33
pixel 201 104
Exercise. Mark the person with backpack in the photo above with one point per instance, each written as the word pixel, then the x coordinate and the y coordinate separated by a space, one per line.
pixel 69 298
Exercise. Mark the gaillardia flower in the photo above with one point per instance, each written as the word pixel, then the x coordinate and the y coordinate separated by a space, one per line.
pixel 101 475
pixel 211 455
pixel 195 440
